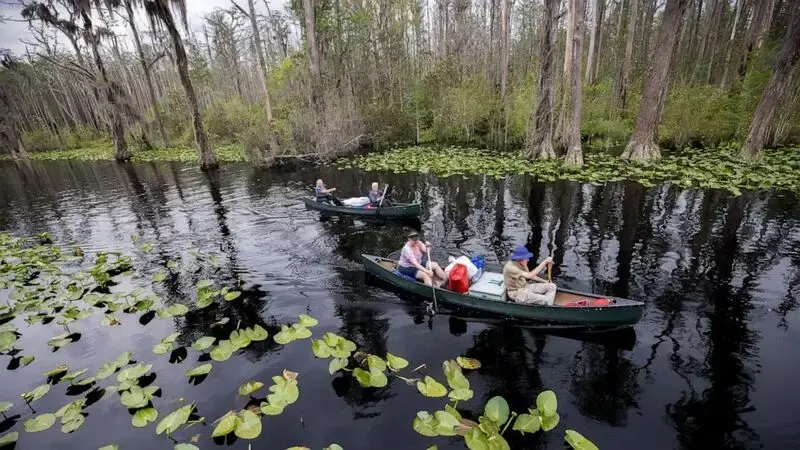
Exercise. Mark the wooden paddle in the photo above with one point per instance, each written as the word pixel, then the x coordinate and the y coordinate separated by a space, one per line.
pixel 552 245
pixel 378 210
pixel 433 280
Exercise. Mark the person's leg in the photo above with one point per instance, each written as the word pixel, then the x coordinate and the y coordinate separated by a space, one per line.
pixel 437 270
pixel 541 293
pixel 424 277
pixel 335 200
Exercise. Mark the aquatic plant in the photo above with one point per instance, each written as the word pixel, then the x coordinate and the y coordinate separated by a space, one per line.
pixel 45 283
pixel 713 168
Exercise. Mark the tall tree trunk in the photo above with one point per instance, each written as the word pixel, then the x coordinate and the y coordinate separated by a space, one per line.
pixel 756 31
pixel 115 125
pixel 731 43
pixel 208 159
pixel 777 87
pixel 642 145
pixel 505 23
pixel 261 60
pixel 598 7
pixel 151 92
pixel 313 52
pixel 540 133
pixel 572 100
pixel 621 93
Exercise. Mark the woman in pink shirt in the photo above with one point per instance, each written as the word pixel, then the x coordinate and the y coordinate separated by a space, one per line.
pixel 410 262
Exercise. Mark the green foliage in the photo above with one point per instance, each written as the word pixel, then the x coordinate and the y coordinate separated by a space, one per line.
pixel 718 168
pixel 462 116
pixel 714 117
pixel 40 140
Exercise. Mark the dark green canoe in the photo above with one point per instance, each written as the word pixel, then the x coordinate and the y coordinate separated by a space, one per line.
pixel 621 312
pixel 396 211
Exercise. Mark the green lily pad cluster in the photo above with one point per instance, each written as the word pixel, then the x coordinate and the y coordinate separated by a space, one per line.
pixel 246 423
pixel 335 347
pixel 167 344
pixel 238 339
pixel 714 168
pixel 298 330
pixel 71 415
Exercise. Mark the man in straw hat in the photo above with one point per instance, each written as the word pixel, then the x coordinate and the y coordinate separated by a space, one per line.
pixel 516 276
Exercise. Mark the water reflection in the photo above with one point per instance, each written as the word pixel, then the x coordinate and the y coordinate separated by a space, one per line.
pixel 720 275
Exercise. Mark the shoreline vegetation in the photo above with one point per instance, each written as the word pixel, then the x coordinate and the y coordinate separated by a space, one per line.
pixel 713 168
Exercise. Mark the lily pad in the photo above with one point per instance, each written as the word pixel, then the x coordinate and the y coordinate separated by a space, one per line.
pixel 106 370
pixel 109 447
pixel 174 420
pixel 144 416
pixel 431 388
pixel 256 333
pixel 36 393
pixel 225 425
pixel 577 441
pixel 547 403
pixel 497 409
pixel 203 343
pixel 250 387
pixel 58 370
pixel 239 339
pixel 8 439
pixel 460 394
pixel 40 423
pixel 134 398
pixel 134 372
pixel 26 359
pixel 73 424
pixel 7 340
pixel 222 351
pixel 307 321
pixel 468 363
pixel 376 363
pixel 5 406
pixel 74 374
pixel 159 276
pixel 527 423
pixel 336 365
pixel 185 446
pixel 248 426
pixel 232 295
pixel 199 370
pixel 550 422
pixel 202 284
pixel 161 348
pixel 395 363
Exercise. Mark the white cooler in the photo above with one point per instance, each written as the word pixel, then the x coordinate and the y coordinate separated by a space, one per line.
pixel 490 286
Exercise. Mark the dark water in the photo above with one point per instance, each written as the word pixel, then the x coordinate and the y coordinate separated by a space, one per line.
pixel 713 363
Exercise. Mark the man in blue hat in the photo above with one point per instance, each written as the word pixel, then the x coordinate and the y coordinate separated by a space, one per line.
pixel 516 276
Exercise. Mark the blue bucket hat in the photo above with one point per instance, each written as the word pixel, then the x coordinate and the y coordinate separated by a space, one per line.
pixel 521 253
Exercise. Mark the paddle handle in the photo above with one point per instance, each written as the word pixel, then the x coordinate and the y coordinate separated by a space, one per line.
pixel 384 195
pixel 549 273
pixel 433 279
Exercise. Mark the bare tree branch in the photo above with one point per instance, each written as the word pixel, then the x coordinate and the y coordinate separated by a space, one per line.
pixel 155 60
pixel 71 67
pixel 241 9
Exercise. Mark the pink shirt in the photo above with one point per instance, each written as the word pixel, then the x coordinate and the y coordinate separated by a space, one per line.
pixel 410 255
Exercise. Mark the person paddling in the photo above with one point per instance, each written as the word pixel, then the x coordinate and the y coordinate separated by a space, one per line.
pixel 324 194
pixel 375 196
pixel 516 276
pixel 410 262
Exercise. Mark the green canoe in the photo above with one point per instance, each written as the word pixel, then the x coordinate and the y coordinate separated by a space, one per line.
pixel 396 211
pixel 620 312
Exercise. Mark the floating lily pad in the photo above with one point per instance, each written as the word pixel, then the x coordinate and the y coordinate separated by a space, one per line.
pixel 250 387
pixel 203 343
pixel 73 424
pixel 578 442
pixel 204 284
pixel 395 363
pixel 109 447
pixel 550 422
pixel 547 403
pixel 307 321
pixel 232 295
pixel 239 339
pixel 222 351
pixel 36 393
pixel 8 439
pixel 468 363
pixel 5 406
pixel 174 420
pixel 225 425
pixel 185 446
pixel 248 426
pixel 497 410
pixel 134 372
pixel 144 416
pixel 159 276
pixel 199 370
pixel 58 370
pixel 336 365
pixel 256 333
pixel 40 423
pixel 431 388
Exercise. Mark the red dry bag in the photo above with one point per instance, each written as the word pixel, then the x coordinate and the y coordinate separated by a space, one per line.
pixel 459 282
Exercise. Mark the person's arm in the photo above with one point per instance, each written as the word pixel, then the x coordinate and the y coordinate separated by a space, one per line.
pixel 534 274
